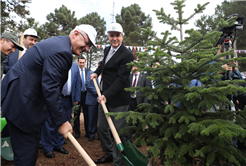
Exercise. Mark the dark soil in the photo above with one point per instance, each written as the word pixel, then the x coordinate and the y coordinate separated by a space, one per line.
pixel 74 158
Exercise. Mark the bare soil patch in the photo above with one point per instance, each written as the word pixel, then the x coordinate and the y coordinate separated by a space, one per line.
pixel 74 158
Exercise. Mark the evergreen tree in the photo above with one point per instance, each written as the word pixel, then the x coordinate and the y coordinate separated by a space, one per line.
pixel 131 20
pixel 93 57
pixel 9 10
pixel 186 128
pixel 61 22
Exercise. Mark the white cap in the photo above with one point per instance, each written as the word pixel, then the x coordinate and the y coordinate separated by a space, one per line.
pixel 31 32
pixel 115 27
pixel 90 31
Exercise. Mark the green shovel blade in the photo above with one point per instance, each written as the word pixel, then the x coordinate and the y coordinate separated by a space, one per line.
pixel 133 157
pixel 6 149
pixel 3 123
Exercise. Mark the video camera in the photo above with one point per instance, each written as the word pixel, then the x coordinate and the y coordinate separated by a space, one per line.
pixel 238 25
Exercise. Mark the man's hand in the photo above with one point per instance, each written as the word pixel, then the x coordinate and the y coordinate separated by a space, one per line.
pixel 65 128
pixel 227 67
pixel 76 102
pixel 102 98
pixel 94 75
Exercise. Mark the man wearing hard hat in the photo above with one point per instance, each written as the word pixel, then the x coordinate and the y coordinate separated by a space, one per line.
pixel 31 91
pixel 30 38
pixel 115 77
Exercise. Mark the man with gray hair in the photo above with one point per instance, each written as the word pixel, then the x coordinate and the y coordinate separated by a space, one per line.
pixel 8 44
pixel 115 77
pixel 31 91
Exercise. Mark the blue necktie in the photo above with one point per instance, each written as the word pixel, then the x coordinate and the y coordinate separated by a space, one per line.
pixel 83 81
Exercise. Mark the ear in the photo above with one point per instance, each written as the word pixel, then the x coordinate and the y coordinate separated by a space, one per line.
pixel 3 40
pixel 74 34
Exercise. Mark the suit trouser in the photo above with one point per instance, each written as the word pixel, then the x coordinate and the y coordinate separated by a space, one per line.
pixel 77 115
pixel 92 119
pixel 132 107
pixel 105 134
pixel 25 146
pixel 67 105
pixel 50 137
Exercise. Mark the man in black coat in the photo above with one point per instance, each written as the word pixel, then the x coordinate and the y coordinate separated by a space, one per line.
pixel 115 77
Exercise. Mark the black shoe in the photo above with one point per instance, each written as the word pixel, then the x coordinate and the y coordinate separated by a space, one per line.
pixel 91 139
pixel 138 145
pixel 107 158
pixel 49 154
pixel 61 150
pixel 65 142
pixel 40 145
pixel 77 136
pixel 87 136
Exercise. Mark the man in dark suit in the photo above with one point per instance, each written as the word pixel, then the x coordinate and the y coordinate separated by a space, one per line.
pixel 137 79
pixel 92 105
pixel 115 77
pixel 82 77
pixel 30 38
pixel 31 91
pixel 51 139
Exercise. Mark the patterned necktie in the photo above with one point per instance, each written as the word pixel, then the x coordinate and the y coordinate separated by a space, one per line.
pixel 134 83
pixel 83 81
pixel 111 53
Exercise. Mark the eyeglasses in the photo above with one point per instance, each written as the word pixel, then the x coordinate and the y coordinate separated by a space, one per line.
pixel 86 42
pixel 111 35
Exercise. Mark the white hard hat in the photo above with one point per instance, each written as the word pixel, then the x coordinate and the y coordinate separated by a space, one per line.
pixel 31 32
pixel 115 27
pixel 90 31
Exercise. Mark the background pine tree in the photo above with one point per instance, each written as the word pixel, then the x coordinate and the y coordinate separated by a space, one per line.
pixel 9 11
pixel 192 130
pixel 132 19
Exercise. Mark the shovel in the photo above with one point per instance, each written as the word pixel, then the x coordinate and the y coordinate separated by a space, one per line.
pixel 6 146
pixel 87 158
pixel 130 154
pixel 21 44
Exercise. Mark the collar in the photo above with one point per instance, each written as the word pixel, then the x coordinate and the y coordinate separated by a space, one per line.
pixel 115 49
pixel 24 49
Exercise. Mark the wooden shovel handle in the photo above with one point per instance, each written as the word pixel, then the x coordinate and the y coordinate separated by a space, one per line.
pixel 110 122
pixel 21 44
pixel 87 158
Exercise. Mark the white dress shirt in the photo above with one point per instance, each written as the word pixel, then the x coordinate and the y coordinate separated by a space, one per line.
pixel 134 95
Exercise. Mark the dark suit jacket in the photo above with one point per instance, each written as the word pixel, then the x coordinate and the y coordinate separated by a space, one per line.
pixel 10 61
pixel 35 82
pixel 91 95
pixel 115 76
pixel 142 82
pixel 75 83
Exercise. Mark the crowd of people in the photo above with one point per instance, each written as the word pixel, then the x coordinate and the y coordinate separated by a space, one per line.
pixel 44 84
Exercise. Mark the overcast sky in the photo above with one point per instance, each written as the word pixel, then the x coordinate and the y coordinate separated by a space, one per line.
pixel 40 9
